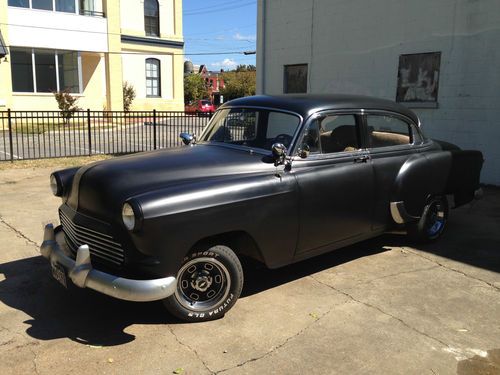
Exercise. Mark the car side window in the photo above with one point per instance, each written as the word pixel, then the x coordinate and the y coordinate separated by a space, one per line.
pixel 385 131
pixel 337 133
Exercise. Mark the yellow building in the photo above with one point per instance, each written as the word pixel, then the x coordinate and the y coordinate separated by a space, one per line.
pixel 91 47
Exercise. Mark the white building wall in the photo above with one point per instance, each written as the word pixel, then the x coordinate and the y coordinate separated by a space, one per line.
pixel 56 30
pixel 354 47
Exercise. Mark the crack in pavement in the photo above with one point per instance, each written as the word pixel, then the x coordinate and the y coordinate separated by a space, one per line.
pixel 35 366
pixel 27 344
pixel 396 274
pixel 18 232
pixel 190 349
pixel 288 339
pixel 381 311
pixel 451 269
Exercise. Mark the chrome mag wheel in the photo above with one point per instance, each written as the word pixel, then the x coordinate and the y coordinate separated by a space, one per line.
pixel 202 283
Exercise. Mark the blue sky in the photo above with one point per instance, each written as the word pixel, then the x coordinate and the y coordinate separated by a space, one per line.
pixel 220 26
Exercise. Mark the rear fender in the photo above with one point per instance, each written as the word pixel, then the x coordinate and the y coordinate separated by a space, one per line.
pixel 420 177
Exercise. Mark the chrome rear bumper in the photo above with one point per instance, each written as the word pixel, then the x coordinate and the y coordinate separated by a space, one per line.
pixel 83 275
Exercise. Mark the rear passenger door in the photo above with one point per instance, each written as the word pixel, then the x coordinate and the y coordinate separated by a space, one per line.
pixel 391 139
pixel 335 184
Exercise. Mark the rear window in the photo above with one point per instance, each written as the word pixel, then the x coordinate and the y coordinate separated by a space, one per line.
pixel 205 102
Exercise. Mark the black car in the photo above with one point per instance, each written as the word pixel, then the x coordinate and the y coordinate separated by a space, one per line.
pixel 275 178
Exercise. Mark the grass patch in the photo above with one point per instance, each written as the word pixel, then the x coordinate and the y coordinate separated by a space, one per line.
pixel 52 163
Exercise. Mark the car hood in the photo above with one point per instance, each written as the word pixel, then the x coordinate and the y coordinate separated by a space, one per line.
pixel 100 189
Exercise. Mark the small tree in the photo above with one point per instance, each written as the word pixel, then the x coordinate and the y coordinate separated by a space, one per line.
pixel 67 104
pixel 128 95
pixel 195 88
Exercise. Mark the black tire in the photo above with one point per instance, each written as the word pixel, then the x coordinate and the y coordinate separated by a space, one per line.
pixel 208 284
pixel 432 223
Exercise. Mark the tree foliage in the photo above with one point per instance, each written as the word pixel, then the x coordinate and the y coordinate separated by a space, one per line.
pixel 66 103
pixel 245 68
pixel 195 88
pixel 238 84
pixel 128 96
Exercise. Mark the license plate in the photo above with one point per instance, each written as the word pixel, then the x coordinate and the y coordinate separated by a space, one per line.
pixel 59 274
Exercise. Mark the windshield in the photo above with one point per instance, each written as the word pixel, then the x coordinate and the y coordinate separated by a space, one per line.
pixel 252 127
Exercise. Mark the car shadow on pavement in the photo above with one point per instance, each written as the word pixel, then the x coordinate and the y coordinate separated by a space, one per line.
pixel 81 315
pixel 90 318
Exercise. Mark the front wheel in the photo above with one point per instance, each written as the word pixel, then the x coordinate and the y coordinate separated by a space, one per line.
pixel 208 284
pixel 433 221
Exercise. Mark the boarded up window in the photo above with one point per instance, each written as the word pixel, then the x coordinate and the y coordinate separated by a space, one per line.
pixel 295 80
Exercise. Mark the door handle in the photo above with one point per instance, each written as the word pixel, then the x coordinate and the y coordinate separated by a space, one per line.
pixel 362 159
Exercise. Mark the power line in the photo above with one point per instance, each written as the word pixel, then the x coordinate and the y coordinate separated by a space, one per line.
pixel 213 6
pixel 139 53
pixel 223 30
pixel 222 9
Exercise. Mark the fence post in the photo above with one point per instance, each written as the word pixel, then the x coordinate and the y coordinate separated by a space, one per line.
pixel 89 132
pixel 11 145
pixel 154 128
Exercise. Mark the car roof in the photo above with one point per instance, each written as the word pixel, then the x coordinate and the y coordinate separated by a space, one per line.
pixel 308 104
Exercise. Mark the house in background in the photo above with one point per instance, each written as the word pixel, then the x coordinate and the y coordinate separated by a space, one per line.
pixel 91 47
pixel 213 80
pixel 440 58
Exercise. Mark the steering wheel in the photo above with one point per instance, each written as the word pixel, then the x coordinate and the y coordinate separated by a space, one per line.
pixel 283 138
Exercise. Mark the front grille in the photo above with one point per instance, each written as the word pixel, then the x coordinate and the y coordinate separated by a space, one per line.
pixel 101 245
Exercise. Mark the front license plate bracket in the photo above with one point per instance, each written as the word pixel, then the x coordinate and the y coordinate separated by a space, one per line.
pixel 59 273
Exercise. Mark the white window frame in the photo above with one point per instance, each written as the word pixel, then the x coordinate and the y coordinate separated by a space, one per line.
pixel 33 67
pixel 77 6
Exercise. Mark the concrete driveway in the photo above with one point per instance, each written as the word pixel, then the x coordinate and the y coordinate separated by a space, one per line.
pixel 378 307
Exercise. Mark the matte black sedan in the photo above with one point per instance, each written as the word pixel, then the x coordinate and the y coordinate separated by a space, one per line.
pixel 275 178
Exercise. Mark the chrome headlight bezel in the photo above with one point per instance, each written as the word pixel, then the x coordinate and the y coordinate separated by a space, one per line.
pixel 131 216
pixel 55 185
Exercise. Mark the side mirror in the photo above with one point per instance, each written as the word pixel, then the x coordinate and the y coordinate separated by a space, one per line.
pixel 188 139
pixel 279 153
pixel 304 151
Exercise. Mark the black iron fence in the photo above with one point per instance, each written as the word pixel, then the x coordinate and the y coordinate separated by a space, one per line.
pixel 48 134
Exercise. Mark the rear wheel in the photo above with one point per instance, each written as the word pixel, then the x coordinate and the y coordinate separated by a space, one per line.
pixel 433 221
pixel 208 284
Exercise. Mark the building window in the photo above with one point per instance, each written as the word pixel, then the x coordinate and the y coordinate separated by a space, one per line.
pixel 19 3
pixel 152 17
pixel 44 70
pixel 67 6
pixel 153 87
pixel 42 4
pixel 295 79
pixel 22 70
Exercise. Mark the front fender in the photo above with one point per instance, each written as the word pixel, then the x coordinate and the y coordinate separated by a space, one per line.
pixel 177 217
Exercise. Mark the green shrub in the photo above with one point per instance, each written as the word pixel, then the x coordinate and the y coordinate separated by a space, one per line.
pixel 128 96
pixel 67 104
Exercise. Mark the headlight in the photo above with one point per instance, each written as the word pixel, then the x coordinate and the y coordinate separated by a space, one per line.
pixel 55 186
pixel 128 216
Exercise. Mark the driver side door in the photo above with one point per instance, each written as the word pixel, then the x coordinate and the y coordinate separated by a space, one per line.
pixel 335 185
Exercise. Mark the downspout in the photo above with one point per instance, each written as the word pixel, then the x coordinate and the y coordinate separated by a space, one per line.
pixel 261 46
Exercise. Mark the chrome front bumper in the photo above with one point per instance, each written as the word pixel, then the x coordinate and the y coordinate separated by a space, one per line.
pixel 83 275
